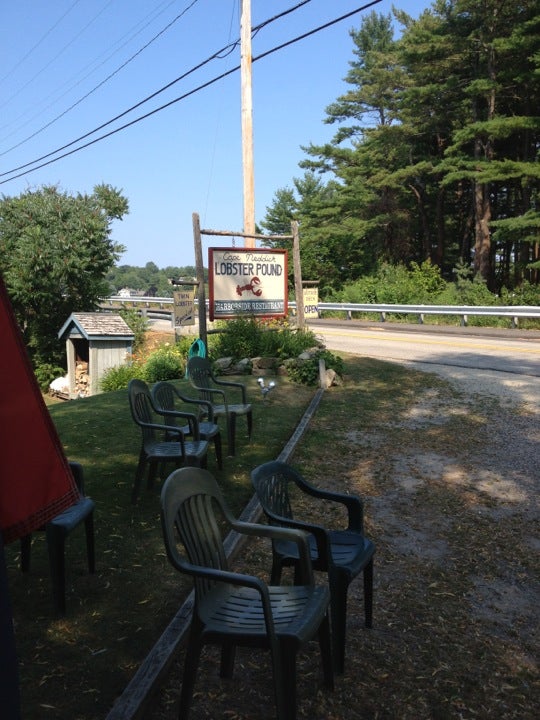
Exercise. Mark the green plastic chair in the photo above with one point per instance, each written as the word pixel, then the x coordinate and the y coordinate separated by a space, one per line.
pixel 56 533
pixel 220 394
pixel 168 400
pixel 233 609
pixel 156 444
pixel 341 553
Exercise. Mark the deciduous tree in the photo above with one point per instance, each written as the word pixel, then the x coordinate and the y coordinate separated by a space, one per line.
pixel 55 250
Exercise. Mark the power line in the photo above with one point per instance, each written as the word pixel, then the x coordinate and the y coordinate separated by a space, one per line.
pixel 223 52
pixel 61 52
pixel 130 35
pixel 125 112
pixel 111 75
pixel 38 43
pixel 123 65
pixel 203 86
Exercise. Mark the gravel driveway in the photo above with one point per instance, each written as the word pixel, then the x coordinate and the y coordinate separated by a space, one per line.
pixel 511 389
pixel 450 479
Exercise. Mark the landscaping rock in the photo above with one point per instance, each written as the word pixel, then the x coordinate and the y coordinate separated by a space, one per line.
pixel 223 364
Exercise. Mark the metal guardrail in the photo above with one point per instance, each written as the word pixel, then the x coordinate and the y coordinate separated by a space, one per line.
pixel 158 307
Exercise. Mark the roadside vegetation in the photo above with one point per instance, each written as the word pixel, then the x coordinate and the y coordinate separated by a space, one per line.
pixel 238 339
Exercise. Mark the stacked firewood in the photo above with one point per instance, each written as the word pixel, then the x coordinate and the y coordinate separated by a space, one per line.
pixel 82 379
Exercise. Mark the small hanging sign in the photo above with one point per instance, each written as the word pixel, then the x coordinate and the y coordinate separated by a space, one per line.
pixel 311 302
pixel 184 306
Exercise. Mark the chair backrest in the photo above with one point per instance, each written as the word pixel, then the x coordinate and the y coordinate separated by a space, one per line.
pixel 271 482
pixel 189 499
pixel 140 404
pixel 166 397
pixel 163 397
pixel 199 372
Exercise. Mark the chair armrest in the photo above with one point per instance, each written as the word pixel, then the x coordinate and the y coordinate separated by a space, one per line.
pixel 197 401
pixel 225 576
pixel 166 428
pixel 230 578
pixel 280 533
pixel 212 391
pixel 353 503
pixel 192 420
pixel 230 383
pixel 320 533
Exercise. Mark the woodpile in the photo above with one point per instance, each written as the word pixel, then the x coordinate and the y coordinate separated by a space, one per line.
pixel 82 379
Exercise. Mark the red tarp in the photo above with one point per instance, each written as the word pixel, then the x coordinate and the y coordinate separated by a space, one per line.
pixel 35 480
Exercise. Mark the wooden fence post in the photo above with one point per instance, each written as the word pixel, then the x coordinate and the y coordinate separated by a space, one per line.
pixel 201 299
pixel 298 287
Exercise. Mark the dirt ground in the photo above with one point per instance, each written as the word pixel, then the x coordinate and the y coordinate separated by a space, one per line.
pixel 451 491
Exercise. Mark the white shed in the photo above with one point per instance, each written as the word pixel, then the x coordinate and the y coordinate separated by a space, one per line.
pixel 95 342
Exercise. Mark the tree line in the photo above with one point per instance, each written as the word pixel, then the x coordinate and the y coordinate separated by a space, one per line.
pixel 435 154
pixel 149 279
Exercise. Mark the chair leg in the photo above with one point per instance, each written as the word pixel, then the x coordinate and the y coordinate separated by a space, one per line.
pixel 231 432
pixel 368 594
pixel 90 549
pixel 152 473
pixel 228 653
pixel 288 663
pixel 279 671
pixel 138 477
pixel 249 424
pixel 338 612
pixel 191 664
pixel 325 644
pixel 56 550
pixel 217 447
pixel 26 545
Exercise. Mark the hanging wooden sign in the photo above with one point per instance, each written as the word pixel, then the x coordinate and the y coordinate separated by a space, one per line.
pixel 246 281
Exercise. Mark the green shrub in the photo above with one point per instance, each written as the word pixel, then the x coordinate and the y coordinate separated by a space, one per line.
pixel 168 362
pixel 286 342
pixel 306 372
pixel 165 363
pixel 241 337
pixel 252 337
pixel 525 294
pixel 117 378
pixel 46 373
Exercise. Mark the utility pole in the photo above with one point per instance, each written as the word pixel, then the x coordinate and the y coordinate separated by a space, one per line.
pixel 247 123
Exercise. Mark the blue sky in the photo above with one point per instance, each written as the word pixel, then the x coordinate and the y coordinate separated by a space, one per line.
pixel 61 77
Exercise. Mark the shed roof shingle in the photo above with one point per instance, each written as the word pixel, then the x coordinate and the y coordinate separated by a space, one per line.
pixel 93 324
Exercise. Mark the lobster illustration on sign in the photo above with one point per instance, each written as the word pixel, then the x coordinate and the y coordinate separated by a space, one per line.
pixel 252 286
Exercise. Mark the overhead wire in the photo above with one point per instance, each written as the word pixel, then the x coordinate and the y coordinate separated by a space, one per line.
pixel 221 53
pixel 130 35
pixel 125 112
pixel 58 54
pixel 111 75
pixel 193 91
pixel 218 122
pixel 38 43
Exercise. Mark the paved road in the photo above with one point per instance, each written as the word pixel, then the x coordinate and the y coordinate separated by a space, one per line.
pixel 486 360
